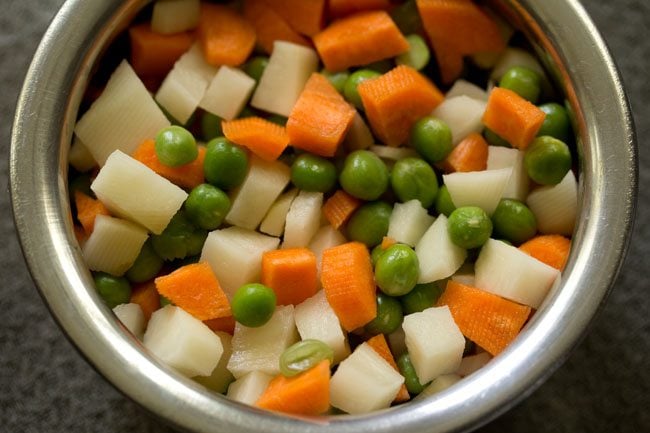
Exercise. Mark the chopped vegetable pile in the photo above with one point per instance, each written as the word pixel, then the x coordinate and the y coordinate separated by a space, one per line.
pixel 323 206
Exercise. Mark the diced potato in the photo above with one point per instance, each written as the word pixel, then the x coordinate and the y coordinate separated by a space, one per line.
pixel 502 157
pixel 463 115
pixel 515 57
pixel 113 245
pixel 259 349
pixel 274 221
pixel 249 388
pixel 509 272
pixel 228 93
pixel 315 319
pixel 465 88
pixel 359 135
pixel 220 377
pixel 303 219
pixel 263 184
pixel 434 342
pixel 80 157
pixel 326 237
pixel 439 384
pixel 183 342
pixel 439 257
pixel 408 222
pixel 364 382
pixel 132 190
pixel 556 207
pixel 235 256
pixel 121 118
pixel 132 318
pixel 392 154
pixel 175 16
pixel 285 76
pixel 478 188
pixel 473 363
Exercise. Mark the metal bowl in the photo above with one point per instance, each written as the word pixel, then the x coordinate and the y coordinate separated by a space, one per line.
pixel 576 57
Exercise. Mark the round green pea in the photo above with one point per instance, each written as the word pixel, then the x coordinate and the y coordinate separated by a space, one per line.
pixel 303 355
pixel 407 17
pixel 417 56
pixel 407 370
pixel 350 90
pixel 444 205
pixel 277 119
pixel 413 178
pixel 207 206
pixel 389 316
pixel 381 66
pixel 210 126
pixel 514 221
pixel 376 252
pixel 469 227
pixel 494 139
pixel 364 175
pixel 175 146
pixel 397 270
pixel 337 79
pixel 523 81
pixel 547 160
pixel 146 265
pixel 556 123
pixel 225 164
pixel 113 290
pixel 313 173
pixel 369 224
pixel 431 137
pixel 422 296
pixel 180 239
pixel 253 304
pixel 255 67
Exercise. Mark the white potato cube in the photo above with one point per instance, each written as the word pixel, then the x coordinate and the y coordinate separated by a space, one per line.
pixel 359 135
pixel 228 93
pixel 250 387
pixel 326 237
pixel 274 221
pixel 132 318
pixel 510 273
pixel 263 184
pixel 408 222
pixel 315 319
pixel 439 384
pixel 220 377
pixel 364 382
pixel 303 219
pixel 434 342
pixel 289 68
pixel 463 115
pixel 175 16
pixel 121 118
pixel 392 154
pixel 132 190
pixel 473 363
pixel 235 256
pixel 465 88
pixel 80 157
pixel 113 245
pixel 439 257
pixel 515 57
pixel 556 207
pixel 478 188
pixel 503 157
pixel 259 349
pixel 183 342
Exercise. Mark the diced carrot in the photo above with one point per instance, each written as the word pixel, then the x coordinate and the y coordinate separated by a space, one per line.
pixel 291 273
pixel 339 207
pixel 87 210
pixel 340 8
pixel 147 297
pixel 469 155
pixel 265 139
pixel 396 100
pixel 225 36
pixel 320 118
pixel 387 242
pixel 378 344
pixel 359 39
pixel 270 26
pixel 512 117
pixel 186 176
pixel 154 54
pixel 304 16
pixel 550 249
pixel 222 324
pixel 196 290
pixel 305 394
pixel 489 320
pixel 455 29
pixel 349 284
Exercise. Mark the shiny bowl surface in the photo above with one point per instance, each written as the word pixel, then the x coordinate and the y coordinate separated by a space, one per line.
pixel 576 57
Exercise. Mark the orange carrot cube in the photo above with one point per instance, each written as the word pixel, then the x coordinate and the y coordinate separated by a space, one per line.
pixel 340 8
pixel 470 154
pixel 265 139
pixel 147 297
pixel 550 249
pixel 87 210
pixel 291 273
pixel 154 54
pixel 186 176
pixel 304 16
pixel 340 207
pixel 270 26
pixel 225 36
pixel 378 344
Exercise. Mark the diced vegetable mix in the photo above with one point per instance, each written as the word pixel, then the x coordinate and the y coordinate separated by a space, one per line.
pixel 304 240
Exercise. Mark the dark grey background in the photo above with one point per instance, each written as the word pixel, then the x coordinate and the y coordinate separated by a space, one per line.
pixel 45 385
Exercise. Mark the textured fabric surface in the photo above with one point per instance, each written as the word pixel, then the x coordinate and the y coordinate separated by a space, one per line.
pixel 604 386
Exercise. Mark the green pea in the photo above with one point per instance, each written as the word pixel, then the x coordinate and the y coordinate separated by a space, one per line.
pixel 146 265
pixel 313 173
pixel 113 290
pixel 253 304
pixel 514 221
pixel 389 316
pixel 417 56
pixel 207 206
pixel 407 370
pixel 369 224
pixel 337 79
pixel 277 119
pixel 364 175
pixel 179 239
pixel 176 146
pixel 350 89
pixel 407 17
pixel 225 164
pixel 444 205
pixel 556 123
pixel 413 178
pixel 422 296
pixel 381 66
pixel 431 137
pixel 493 138
pixel 304 355
pixel 164 301
pixel 375 254
pixel 547 160
pixel 397 270
pixel 210 126
pixel 523 81
pixel 255 67
pixel 469 227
